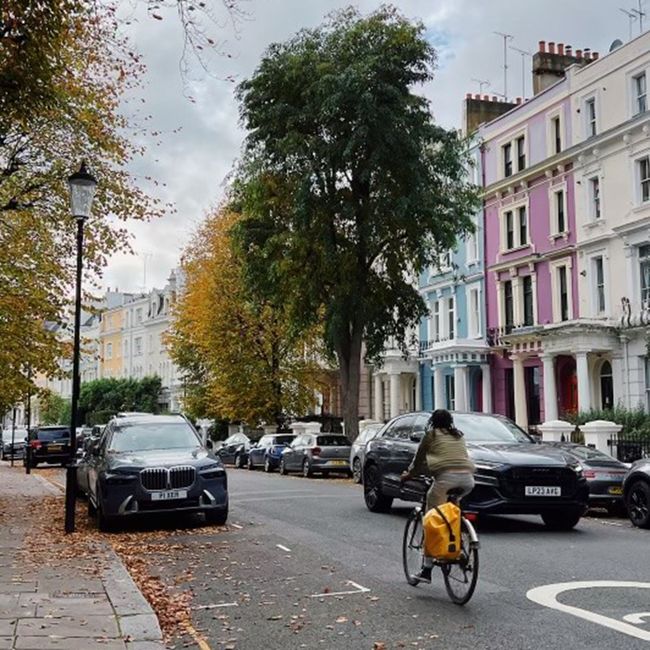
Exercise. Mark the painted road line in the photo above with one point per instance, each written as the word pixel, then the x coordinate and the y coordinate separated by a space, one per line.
pixel 236 526
pixel 358 589
pixel 198 638
pixel 636 618
pixel 547 596
pixel 283 548
pixel 216 605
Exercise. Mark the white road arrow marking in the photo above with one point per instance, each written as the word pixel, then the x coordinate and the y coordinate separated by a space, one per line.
pixel 283 548
pixel 358 589
pixel 547 596
pixel 636 618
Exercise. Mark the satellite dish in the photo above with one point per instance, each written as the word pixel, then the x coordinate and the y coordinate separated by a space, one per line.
pixel 615 44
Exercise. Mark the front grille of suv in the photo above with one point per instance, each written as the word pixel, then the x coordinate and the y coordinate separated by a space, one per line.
pixel 514 481
pixel 174 478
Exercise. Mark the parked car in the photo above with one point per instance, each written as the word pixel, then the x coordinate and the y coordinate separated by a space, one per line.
pixel 49 444
pixel 514 474
pixel 268 451
pixel 358 450
pixel 636 491
pixel 310 452
pixel 84 460
pixel 15 450
pixel 235 448
pixel 154 464
pixel 604 476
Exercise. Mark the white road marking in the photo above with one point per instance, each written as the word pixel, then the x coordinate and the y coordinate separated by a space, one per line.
pixel 547 596
pixel 283 548
pixel 358 589
pixel 636 618
pixel 236 526
pixel 216 605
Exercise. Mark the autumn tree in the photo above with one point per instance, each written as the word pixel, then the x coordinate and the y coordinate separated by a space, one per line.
pixel 241 359
pixel 63 78
pixel 348 187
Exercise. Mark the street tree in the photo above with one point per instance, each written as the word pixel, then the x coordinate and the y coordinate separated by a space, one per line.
pixel 241 359
pixel 348 188
pixel 64 78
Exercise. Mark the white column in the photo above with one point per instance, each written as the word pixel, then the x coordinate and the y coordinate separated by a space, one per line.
pixel 394 385
pixel 439 388
pixel 521 408
pixel 418 391
pixel 550 390
pixel 584 388
pixel 486 380
pixel 378 412
pixel 617 380
pixel 460 384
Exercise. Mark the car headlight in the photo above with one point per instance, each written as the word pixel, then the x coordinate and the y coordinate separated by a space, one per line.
pixel 117 478
pixel 578 469
pixel 215 471
pixel 487 465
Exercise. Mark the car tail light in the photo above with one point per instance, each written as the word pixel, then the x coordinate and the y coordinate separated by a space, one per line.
pixel 471 516
pixel 35 444
pixel 316 451
pixel 589 473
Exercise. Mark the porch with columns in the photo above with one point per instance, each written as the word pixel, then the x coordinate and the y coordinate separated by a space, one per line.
pixel 396 389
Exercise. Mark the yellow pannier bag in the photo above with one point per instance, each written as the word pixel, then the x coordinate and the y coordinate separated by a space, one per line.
pixel 442 532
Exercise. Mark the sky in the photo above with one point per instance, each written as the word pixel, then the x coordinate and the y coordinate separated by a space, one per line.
pixel 197 114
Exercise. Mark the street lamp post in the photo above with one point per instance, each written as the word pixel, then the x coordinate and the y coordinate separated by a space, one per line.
pixel 82 191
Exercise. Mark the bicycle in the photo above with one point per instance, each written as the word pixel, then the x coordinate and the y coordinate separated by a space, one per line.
pixel 457 574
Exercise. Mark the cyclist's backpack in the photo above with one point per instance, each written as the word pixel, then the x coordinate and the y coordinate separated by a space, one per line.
pixel 442 532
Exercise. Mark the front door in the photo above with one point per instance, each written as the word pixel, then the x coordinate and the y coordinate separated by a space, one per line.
pixel 568 388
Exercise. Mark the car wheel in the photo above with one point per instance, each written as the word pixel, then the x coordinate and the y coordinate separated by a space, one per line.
pixel 104 523
pixel 561 520
pixel 638 504
pixel 375 500
pixel 216 517
pixel 239 461
pixel 283 467
pixel 267 466
pixel 306 469
pixel 92 511
pixel 249 463
pixel 356 470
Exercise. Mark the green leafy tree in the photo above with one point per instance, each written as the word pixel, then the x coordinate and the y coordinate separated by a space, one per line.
pixel 348 187
pixel 53 409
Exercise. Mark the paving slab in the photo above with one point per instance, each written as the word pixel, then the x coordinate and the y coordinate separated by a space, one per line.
pixel 6 642
pixel 51 643
pixel 140 627
pixel 68 626
pixel 7 626
pixel 145 645
pixel 81 607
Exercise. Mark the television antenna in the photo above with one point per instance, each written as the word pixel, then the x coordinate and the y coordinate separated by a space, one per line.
pixel 640 13
pixel 631 17
pixel 524 54
pixel 145 256
pixel 481 83
pixel 506 38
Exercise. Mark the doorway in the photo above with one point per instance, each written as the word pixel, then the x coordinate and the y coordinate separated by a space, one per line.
pixel 568 386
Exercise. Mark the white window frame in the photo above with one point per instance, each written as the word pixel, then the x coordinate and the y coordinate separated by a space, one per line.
pixel 593 275
pixel 137 346
pixel 639 180
pixel 474 315
pixel 436 321
pixel 591 198
pixel 109 350
pixel 550 131
pixel 635 108
pixel 514 208
pixel 591 127
pixel 502 301
pixel 450 316
pixel 555 289
pixel 450 395
pixel 553 192
pixel 511 140
pixel 472 249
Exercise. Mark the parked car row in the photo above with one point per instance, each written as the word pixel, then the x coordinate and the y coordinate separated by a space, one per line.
pixel 12 444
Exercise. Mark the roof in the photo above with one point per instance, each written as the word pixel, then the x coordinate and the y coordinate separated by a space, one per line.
pixel 148 418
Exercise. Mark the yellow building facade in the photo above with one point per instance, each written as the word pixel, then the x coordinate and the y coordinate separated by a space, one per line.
pixel 110 349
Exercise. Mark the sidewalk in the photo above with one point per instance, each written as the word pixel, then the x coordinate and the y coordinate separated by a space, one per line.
pixel 60 591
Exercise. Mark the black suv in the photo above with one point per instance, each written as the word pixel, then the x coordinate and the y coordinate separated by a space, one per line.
pixel 154 464
pixel 514 474
pixel 48 444
pixel 636 490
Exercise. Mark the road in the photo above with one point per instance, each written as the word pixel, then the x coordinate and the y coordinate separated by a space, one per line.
pixel 303 564
pixel 271 581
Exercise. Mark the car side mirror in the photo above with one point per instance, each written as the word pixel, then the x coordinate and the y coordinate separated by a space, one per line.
pixel 209 444
pixel 416 436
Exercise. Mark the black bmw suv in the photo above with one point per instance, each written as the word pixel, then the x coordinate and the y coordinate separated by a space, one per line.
pixel 514 474
pixel 154 464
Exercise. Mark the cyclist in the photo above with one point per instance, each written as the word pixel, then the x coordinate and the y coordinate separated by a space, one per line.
pixel 442 454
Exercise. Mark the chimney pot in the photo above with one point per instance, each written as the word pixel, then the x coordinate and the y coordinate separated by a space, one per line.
pixel 518 100
pixel 495 98
pixel 578 54
pixel 477 96
pixel 551 47
pixel 594 56
pixel 486 98
pixel 542 46
pixel 560 49
pixel 468 95
pixel 569 50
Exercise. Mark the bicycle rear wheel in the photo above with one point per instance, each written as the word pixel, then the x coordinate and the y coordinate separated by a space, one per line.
pixel 413 547
pixel 461 576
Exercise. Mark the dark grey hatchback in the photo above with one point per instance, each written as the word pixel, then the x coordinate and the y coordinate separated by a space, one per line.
pixel 154 464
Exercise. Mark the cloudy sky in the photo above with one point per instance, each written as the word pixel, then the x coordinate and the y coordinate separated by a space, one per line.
pixel 201 136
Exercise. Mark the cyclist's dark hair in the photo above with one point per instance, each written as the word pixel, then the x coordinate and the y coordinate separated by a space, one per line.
pixel 442 419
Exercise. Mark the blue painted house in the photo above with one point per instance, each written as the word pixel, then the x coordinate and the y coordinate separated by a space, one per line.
pixel 454 366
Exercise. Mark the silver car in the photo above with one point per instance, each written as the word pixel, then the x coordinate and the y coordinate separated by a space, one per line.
pixel 358 450
pixel 324 453
pixel 18 449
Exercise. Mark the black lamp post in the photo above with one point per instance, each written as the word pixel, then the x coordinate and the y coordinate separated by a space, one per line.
pixel 82 191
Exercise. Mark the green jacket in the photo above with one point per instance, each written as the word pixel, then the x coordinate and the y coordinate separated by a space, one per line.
pixel 440 451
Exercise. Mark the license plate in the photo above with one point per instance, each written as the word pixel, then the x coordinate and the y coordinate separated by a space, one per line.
pixel 615 489
pixel 339 462
pixel 54 447
pixel 543 491
pixel 169 495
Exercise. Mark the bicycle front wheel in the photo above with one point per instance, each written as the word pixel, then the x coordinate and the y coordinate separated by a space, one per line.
pixel 461 575
pixel 413 547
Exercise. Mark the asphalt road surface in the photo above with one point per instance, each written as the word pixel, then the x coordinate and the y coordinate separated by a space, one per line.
pixel 305 565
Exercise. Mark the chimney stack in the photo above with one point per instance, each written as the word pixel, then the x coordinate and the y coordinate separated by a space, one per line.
pixel 552 60
pixel 578 54
pixel 551 47
pixel 594 56
pixel 569 50
pixel 542 46
pixel 479 109
pixel 587 53
pixel 560 49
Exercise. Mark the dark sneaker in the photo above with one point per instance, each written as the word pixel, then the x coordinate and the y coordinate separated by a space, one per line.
pixel 425 574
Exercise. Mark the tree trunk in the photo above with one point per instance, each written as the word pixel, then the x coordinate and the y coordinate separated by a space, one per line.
pixel 349 357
